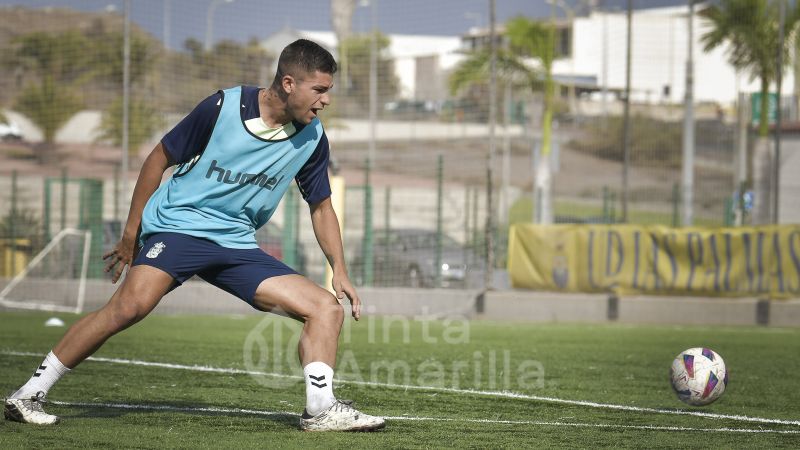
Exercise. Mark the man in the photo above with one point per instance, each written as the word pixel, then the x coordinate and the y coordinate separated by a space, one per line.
pixel 237 151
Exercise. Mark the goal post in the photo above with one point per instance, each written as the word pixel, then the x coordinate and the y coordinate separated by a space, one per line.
pixel 55 279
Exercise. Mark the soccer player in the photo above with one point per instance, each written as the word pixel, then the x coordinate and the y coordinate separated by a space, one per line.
pixel 237 153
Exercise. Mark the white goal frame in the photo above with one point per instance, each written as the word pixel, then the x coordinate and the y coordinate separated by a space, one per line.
pixel 42 304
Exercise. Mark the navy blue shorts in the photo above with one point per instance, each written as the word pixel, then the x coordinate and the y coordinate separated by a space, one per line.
pixel 237 271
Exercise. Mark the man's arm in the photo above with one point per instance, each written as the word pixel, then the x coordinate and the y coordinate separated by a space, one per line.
pixel 157 162
pixel 329 237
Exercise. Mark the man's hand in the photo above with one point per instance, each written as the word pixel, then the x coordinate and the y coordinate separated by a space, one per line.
pixel 121 256
pixel 342 286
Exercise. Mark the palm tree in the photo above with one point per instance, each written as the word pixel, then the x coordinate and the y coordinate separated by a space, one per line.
pixel 527 39
pixel 750 28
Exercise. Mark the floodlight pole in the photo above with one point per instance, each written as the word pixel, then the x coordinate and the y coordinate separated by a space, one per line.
pixel 210 21
pixel 604 86
pixel 688 127
pixel 490 212
pixel 373 82
pixel 167 19
pixel 776 165
pixel 372 148
pixel 626 125
pixel 126 99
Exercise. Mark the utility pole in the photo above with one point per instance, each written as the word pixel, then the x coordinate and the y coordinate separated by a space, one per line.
pixel 688 127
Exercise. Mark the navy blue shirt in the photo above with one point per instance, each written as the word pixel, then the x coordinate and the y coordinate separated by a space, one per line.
pixel 190 137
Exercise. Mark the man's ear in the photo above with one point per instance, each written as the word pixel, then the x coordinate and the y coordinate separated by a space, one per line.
pixel 288 84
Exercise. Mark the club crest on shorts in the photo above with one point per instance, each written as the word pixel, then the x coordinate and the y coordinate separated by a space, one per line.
pixel 155 250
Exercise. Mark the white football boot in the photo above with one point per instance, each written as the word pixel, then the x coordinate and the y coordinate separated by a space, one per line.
pixel 28 410
pixel 341 416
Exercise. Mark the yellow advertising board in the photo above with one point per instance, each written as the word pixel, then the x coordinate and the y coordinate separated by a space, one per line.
pixel 759 261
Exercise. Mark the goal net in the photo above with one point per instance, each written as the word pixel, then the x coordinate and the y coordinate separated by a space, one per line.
pixel 55 279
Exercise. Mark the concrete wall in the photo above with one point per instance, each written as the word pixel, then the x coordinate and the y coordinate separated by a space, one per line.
pixel 198 297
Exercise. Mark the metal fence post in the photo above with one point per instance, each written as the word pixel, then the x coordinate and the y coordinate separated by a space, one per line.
pixel 288 239
pixel 676 201
pixel 367 249
pixel 437 268
pixel 46 210
pixel 12 225
pixel 387 222
pixel 63 198
pixel 728 213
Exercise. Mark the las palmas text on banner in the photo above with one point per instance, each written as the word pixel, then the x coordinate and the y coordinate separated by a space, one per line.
pixel 643 259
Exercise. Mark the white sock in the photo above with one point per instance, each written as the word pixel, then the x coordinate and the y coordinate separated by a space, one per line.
pixel 44 378
pixel 319 387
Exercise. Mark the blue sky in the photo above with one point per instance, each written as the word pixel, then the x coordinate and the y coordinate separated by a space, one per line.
pixel 243 19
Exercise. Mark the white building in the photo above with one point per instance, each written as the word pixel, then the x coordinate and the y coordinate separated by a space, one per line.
pixel 421 63
pixel 658 57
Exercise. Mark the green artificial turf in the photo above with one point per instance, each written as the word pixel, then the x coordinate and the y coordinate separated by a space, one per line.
pixel 443 384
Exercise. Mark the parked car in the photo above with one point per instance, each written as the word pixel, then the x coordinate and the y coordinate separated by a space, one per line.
pixel 407 257
pixel 270 239
pixel 410 109
pixel 9 131
pixel 584 220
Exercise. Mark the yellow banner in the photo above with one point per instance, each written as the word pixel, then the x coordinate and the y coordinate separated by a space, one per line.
pixel 744 261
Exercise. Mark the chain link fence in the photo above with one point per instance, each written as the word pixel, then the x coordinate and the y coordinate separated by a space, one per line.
pixel 413 152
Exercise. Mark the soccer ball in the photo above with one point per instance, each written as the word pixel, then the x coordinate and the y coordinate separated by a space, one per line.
pixel 698 376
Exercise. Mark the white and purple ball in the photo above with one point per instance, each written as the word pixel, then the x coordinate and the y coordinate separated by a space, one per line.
pixel 698 376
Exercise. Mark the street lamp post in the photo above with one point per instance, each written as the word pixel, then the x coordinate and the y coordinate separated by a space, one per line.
pixel 210 20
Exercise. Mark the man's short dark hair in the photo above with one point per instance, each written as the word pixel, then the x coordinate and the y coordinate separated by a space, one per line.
pixel 303 56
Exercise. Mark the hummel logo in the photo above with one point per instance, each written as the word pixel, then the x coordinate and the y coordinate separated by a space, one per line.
pixel 319 378
pixel 41 368
pixel 256 179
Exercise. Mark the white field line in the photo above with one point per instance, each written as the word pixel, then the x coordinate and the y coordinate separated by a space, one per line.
pixel 424 419
pixel 500 394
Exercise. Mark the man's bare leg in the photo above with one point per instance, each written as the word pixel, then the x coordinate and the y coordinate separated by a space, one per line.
pixel 139 293
pixel 322 317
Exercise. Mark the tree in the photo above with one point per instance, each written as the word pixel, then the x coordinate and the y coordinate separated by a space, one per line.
pixel 144 122
pixel 538 40
pixel 750 28
pixel 527 39
pixel 62 56
pixel 229 62
pixel 358 48
pixel 57 64
pixel 107 57
pixel 49 106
